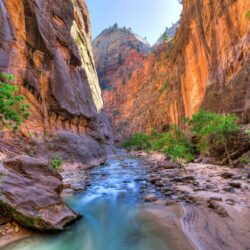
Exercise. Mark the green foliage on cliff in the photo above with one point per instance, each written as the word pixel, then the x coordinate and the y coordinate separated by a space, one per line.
pixel 247 15
pixel 13 109
pixel 164 87
pixel 56 162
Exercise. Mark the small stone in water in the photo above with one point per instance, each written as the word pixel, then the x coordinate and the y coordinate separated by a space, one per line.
pixel 150 198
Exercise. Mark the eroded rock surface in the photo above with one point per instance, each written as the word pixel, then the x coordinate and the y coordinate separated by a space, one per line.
pixel 47 46
pixel 30 194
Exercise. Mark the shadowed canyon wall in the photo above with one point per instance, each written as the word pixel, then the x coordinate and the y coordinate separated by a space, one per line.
pixel 206 65
pixel 47 46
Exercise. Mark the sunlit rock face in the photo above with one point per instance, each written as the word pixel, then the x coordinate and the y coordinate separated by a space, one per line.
pixel 206 65
pixel 47 46
pixel 118 52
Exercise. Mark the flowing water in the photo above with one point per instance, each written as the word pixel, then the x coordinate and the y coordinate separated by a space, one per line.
pixel 111 209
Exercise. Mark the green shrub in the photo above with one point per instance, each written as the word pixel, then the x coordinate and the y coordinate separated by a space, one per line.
pixel 211 128
pixel 13 109
pixel 248 132
pixel 244 160
pixel 56 162
pixel 138 141
pixel 208 128
pixel 173 143
pixel 247 15
pixel 164 87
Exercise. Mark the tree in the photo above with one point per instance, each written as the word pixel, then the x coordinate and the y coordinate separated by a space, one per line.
pixel 211 128
pixel 13 109
pixel 174 143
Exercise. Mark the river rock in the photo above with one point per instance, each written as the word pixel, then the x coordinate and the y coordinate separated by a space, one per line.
pixel 30 194
pixel 230 201
pixel 188 178
pixel 150 198
pixel 228 189
pixel 154 179
pixel 227 175
pixel 215 198
pixel 235 184
pixel 167 165
pixel 217 208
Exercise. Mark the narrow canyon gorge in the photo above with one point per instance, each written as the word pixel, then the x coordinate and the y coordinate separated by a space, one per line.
pixel 205 65
pixel 70 175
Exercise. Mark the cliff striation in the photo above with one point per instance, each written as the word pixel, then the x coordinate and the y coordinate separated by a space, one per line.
pixel 206 65
pixel 47 46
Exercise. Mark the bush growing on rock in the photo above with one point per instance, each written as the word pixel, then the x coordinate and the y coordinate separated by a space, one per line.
pixel 56 162
pixel 13 109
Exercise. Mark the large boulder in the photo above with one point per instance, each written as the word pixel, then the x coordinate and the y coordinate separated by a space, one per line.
pixel 30 194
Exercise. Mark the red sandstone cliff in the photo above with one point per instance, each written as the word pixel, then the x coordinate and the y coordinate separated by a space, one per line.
pixel 118 52
pixel 206 65
pixel 47 46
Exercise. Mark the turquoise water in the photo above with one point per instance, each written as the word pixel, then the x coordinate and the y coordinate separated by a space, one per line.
pixel 111 215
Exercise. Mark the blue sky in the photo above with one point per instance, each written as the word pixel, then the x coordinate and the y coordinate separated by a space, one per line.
pixel 147 18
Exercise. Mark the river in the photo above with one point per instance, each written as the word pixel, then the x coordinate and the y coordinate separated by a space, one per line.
pixel 112 209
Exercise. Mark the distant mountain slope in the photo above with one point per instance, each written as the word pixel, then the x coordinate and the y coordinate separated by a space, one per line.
pixel 168 34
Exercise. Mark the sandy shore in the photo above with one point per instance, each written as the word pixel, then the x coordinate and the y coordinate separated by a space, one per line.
pixel 167 222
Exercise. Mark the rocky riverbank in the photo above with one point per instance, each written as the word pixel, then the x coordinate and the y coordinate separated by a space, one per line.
pixel 215 199
pixel 206 205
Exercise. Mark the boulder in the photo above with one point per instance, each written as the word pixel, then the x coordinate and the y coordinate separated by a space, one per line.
pixel 30 195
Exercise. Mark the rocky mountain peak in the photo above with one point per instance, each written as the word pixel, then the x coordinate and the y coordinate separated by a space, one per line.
pixel 111 50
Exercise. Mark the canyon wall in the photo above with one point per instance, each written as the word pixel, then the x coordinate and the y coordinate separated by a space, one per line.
pixel 118 52
pixel 206 65
pixel 47 46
